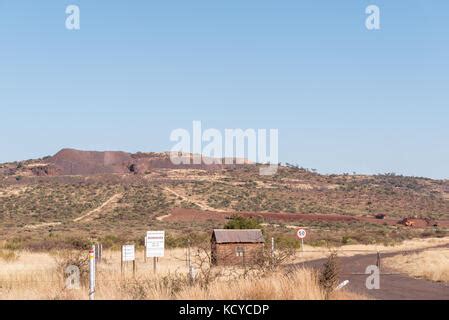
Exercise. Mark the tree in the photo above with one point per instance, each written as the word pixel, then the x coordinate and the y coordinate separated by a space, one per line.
pixel 239 222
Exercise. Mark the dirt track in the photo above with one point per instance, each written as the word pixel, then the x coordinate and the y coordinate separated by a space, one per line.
pixel 207 213
pixel 393 286
pixel 111 200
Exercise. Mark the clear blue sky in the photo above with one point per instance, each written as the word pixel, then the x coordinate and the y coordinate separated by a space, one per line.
pixel 343 98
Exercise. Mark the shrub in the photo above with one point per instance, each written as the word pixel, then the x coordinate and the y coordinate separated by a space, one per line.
pixel 239 222
pixel 13 244
pixel 287 242
pixel 8 255
pixel 330 275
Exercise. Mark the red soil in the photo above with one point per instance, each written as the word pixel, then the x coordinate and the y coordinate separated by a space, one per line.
pixel 189 215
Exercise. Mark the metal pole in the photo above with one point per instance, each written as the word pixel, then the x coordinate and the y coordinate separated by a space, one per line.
pixel 134 268
pixel 92 273
pixel 145 251
pixel 154 264
pixel 302 245
pixel 244 262
pixel 378 260
pixel 121 262
pixel 188 252
pixel 189 262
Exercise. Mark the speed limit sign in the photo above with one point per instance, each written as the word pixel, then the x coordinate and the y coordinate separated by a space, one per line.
pixel 301 233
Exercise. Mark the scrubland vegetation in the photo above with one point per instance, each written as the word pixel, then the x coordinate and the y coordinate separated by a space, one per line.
pixel 430 264
pixel 41 276
pixel 39 212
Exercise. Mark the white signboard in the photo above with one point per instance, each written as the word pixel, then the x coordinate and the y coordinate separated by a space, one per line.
pixel 128 253
pixel 301 233
pixel 155 244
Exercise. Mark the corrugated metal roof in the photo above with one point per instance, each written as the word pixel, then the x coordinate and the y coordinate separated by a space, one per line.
pixel 238 235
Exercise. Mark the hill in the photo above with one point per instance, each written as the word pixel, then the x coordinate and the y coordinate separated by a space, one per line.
pixel 78 162
pixel 78 195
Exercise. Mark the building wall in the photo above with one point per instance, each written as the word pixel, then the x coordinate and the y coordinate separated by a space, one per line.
pixel 226 253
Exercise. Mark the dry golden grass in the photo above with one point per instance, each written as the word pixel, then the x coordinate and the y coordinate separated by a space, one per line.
pixel 432 264
pixel 39 276
pixel 313 253
pixel 301 284
pixel 31 275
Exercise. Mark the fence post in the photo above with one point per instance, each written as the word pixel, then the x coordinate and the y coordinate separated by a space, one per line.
pixel 121 262
pixel 378 260
pixel 92 273
pixel 98 252
pixel 154 264
pixel 134 268
pixel 188 255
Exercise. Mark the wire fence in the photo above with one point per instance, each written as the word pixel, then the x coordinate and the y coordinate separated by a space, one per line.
pixel 52 273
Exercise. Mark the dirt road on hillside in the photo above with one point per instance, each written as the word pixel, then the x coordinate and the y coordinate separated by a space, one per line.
pixel 202 205
pixel 112 200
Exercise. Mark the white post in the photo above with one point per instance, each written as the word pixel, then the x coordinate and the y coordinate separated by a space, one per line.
pixel 272 247
pixel 189 262
pixel 188 254
pixel 92 273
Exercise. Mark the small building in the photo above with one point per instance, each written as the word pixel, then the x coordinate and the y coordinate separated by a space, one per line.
pixel 236 246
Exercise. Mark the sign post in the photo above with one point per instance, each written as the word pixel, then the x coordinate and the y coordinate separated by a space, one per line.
pixel 92 273
pixel 128 255
pixel 301 234
pixel 155 246
pixel 145 251
pixel 98 252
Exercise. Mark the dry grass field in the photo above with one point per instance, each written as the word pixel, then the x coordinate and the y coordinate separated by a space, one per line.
pixel 29 275
pixel 432 264
pixel 37 275
pixel 313 253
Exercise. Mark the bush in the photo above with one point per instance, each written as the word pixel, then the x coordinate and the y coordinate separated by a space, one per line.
pixel 239 222
pixel 111 242
pixel 348 240
pixel 329 276
pixel 287 242
pixel 182 241
pixel 8 255
pixel 13 244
